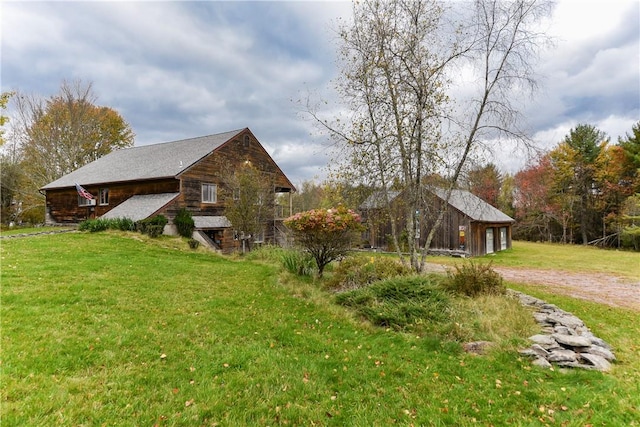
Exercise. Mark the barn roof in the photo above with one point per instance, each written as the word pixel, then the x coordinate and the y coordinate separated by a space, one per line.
pixel 204 222
pixel 154 161
pixel 376 200
pixel 467 203
pixel 473 206
pixel 141 206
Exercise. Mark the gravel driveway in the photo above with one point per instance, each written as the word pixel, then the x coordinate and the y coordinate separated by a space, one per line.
pixel 596 287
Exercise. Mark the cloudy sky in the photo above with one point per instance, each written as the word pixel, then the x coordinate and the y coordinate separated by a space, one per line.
pixel 176 70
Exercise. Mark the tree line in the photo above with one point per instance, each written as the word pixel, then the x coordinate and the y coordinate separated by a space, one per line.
pixel 585 190
pixel 48 137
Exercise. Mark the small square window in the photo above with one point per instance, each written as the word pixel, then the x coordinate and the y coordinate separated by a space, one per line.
pixel 209 193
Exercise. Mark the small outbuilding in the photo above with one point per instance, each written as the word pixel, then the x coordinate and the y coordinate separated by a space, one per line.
pixel 471 226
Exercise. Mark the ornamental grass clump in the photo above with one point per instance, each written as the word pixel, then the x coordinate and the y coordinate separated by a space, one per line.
pixel 298 263
pixel 327 234
pixel 358 271
pixel 474 278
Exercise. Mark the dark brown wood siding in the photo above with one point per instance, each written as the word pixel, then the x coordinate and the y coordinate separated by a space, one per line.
pixel 448 236
pixel 213 169
pixel 62 204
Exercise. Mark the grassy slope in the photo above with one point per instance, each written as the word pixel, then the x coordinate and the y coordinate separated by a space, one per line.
pixel 86 318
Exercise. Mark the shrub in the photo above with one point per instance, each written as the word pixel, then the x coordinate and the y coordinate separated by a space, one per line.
pixel 357 271
pixel 325 233
pixel 193 243
pixel 124 224
pixel 153 226
pixel 401 303
pixel 94 225
pixel 102 224
pixel 266 252
pixel 298 262
pixel 630 237
pixel 184 223
pixel 475 278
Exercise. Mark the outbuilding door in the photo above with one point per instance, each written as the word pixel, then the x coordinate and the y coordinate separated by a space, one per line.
pixel 503 238
pixel 489 240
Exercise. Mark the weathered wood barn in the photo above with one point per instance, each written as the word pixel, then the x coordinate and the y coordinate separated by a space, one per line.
pixel 471 226
pixel 141 182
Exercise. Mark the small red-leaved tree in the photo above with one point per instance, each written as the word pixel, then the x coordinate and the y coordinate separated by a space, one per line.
pixel 325 233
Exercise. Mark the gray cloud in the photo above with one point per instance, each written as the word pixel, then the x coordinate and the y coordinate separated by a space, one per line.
pixel 182 69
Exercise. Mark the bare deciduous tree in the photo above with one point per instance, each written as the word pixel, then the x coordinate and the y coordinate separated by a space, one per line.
pixel 249 201
pixel 400 61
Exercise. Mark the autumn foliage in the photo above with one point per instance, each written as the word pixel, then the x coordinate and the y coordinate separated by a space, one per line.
pixel 325 233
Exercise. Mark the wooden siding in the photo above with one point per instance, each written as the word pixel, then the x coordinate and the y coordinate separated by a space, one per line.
pixel 62 204
pixel 447 237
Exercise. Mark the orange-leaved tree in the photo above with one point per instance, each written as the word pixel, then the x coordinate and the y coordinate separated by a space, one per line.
pixel 326 234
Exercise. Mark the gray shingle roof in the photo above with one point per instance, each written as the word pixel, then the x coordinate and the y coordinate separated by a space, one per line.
pixel 464 201
pixel 140 206
pixel 376 199
pixel 163 160
pixel 204 222
pixel 473 206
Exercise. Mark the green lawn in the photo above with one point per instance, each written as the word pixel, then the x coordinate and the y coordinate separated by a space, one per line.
pixel 114 329
pixel 573 258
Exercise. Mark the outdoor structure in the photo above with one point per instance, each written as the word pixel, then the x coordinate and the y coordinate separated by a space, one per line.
pixel 471 226
pixel 145 181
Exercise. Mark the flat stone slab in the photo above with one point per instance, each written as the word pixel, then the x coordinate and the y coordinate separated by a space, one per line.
pixel 562 356
pixel 572 340
pixel 544 340
pixel 541 362
pixel 598 362
pixel 601 351
pixel 569 321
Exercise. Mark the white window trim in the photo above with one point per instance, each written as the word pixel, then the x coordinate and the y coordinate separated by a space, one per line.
pixel 205 197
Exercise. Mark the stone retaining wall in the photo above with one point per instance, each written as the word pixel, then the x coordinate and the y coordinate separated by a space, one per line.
pixel 564 339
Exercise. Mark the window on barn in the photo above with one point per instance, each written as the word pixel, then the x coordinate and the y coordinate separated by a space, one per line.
pixel 209 193
pixel 85 202
pixel 104 196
